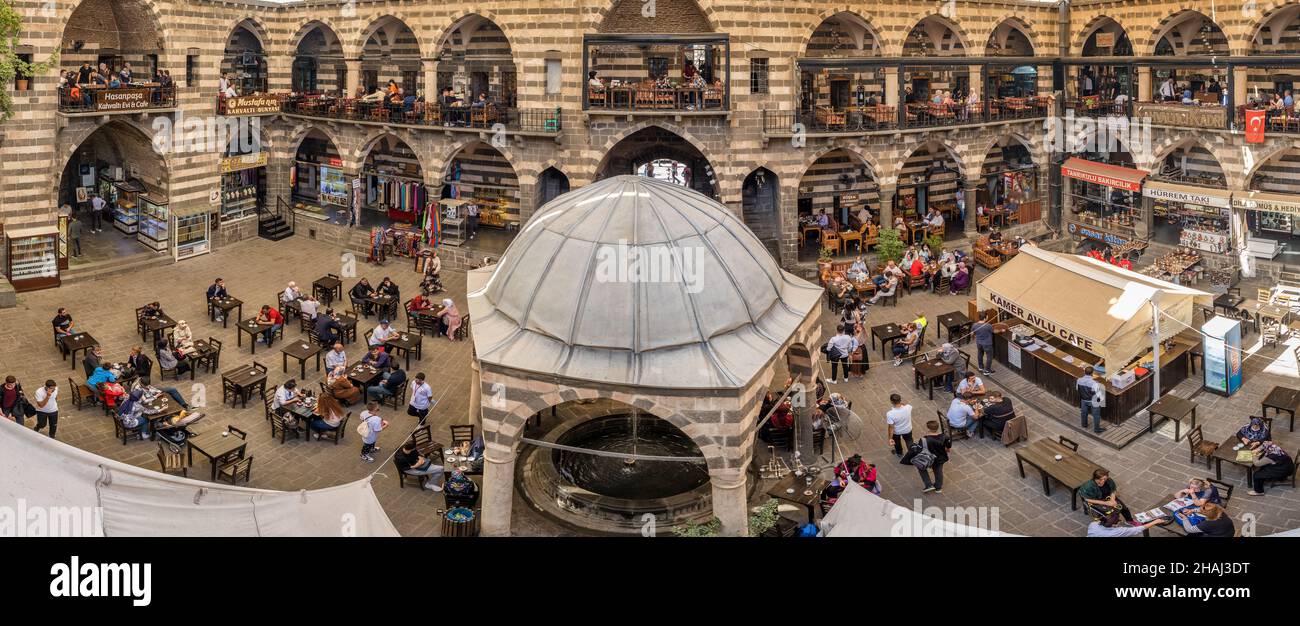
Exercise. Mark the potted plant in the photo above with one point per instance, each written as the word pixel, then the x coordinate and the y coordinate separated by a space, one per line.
pixel 762 520
pixel 889 245
pixel 935 243
pixel 826 256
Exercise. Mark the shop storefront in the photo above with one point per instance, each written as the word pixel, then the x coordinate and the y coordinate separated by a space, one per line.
pixel 1193 217
pixel 243 185
pixel 320 188
pixel 154 230
pixel 1050 331
pixel 191 233
pixel 400 197
pixel 31 256
pixel 124 197
pixel 1272 222
pixel 1103 202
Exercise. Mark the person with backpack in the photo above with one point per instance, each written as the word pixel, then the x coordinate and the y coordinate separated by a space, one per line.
pixel 837 351
pixel 369 429
pixel 928 455
pixel 13 404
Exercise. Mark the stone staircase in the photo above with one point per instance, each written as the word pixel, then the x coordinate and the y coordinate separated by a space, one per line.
pixel 273 227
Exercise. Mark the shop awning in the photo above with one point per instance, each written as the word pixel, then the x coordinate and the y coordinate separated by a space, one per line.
pixel 1187 194
pixel 1266 201
pixel 1103 174
pixel 1093 305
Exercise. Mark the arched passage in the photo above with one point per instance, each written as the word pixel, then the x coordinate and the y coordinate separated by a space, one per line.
pixel 760 204
pixel 244 61
pixel 845 36
pixel 551 184
pixel 390 53
pixel 113 33
pixel 947 85
pixel 1275 217
pixel 317 182
pixel 1190 34
pixel 483 178
pixel 1199 216
pixel 1278 33
pixel 841 184
pixel 318 65
pixel 657 152
pixel 1011 38
pixel 475 57
pixel 392 183
pixel 1009 179
pixel 1101 83
pixel 930 178
pixel 115 162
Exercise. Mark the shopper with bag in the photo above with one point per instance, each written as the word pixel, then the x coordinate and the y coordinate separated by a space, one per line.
pixel 929 455
pixel 13 404
pixel 837 351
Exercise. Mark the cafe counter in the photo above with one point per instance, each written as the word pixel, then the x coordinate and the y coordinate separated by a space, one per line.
pixel 1053 372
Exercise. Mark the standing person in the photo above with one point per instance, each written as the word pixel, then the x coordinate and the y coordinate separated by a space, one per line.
pixel 471 212
pixel 899 424
pixel 12 401
pixel 838 350
pixel 421 398
pixel 1087 387
pixel 983 331
pixel 97 205
pixel 373 424
pixel 929 455
pixel 74 234
pixel 47 407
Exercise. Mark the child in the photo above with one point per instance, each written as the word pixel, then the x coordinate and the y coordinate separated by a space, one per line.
pixel 374 424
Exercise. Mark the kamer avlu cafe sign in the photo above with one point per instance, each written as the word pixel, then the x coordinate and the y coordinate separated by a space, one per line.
pixel 1044 324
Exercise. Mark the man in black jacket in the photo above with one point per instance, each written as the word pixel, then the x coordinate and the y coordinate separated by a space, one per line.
pixel 392 381
pixel 91 361
pixel 938 445
pixel 328 329
pixel 139 364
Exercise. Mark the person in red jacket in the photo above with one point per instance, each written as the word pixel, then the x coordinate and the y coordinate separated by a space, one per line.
pixel 270 315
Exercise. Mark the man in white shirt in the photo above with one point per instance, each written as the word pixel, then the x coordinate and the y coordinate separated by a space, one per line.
pixel 1167 89
pixel 286 395
pixel 962 415
pixel 899 421
pixel 97 205
pixel 381 334
pixel 934 221
pixel 971 384
pixel 336 357
pixel 309 307
pixel 291 293
pixel 421 398
pixel 47 407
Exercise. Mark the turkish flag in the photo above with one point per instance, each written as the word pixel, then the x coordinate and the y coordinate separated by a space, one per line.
pixel 1254 126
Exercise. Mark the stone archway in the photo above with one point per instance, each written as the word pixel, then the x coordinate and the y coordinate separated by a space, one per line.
pixel 760 207
pixel 657 152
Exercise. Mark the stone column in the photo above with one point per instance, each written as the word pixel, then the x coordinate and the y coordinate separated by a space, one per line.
pixel 730 502
pixel 969 187
pixel 887 206
pixel 475 395
pixel 1144 84
pixel 891 86
pixel 429 67
pixel 499 489
pixel 976 79
pixel 1240 78
pixel 354 76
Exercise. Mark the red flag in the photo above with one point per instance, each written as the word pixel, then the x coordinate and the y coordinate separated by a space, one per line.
pixel 1254 126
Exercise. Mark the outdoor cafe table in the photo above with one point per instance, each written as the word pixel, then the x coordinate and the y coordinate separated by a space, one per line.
pixel 1228 302
pixel 77 342
pixel 1071 471
pixel 1281 399
pixel 406 342
pixel 156 325
pixel 225 305
pixel 1276 312
pixel 349 325
pixel 886 333
pixel 162 407
pixel 245 379
pixel 1173 526
pixel 915 228
pixel 807 496
pixel 301 350
pixel 955 324
pixel 253 328
pixel 863 287
pixel 201 349
pixel 385 306
pixel 216 444
pixel 926 372
pixel 1227 452
pixel 363 375
pixel 327 289
pixel 1174 408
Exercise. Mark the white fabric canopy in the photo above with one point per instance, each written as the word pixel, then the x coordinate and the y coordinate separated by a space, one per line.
pixel 47 477
pixel 860 513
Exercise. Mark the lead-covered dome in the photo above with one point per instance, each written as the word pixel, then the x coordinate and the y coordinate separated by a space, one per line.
pixel 634 281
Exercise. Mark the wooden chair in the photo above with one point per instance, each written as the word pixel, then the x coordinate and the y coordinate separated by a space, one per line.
pixel 422 437
pixel 398 398
pixel 712 98
pixel 402 477
pixel 461 433
pixel 1225 490
pixel 281 425
pixel 212 359
pixel 596 98
pixel 1198 446
pixel 171 458
pixel 333 434
pixel 870 236
pixel 463 332
pixel 124 432
pixel 949 431
pixel 1069 444
pixel 914 282
pixel 81 394
pixel 853 236
pixel 236 470
pixel 830 239
pixel 268 400
pixel 829 117
pixel 645 96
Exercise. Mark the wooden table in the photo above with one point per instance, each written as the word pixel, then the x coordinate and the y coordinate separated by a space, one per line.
pixel 162 407
pixel 201 349
pixel 245 379
pixel 253 328
pixel 887 333
pixel 77 342
pixel 1171 407
pixel 349 325
pixel 385 306
pixel 327 289
pixel 407 342
pixel 1228 303
pixel 956 320
pixel 225 305
pixel 801 495
pixel 1072 471
pixel 926 372
pixel 156 325
pixel 301 350
pixel 216 445
pixel 1225 452
pixel 1281 399
pixel 1173 526
pixel 363 375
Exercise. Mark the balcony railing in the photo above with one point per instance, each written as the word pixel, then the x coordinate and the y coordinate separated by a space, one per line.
pixel 880 117
pixel 650 98
pixel 143 97
pixel 830 120
pixel 1096 107
pixel 428 114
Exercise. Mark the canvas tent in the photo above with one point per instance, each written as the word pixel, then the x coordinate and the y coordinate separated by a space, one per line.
pixel 1090 304
pixel 860 513
pixel 51 488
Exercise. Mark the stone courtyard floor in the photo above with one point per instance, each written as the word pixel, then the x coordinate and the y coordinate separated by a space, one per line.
pixel 981 472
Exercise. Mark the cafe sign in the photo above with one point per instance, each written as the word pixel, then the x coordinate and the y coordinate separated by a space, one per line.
pixel 1083 230
pixel 243 162
pixel 252 105
pixel 1271 203
pixel 121 99
pixel 1048 326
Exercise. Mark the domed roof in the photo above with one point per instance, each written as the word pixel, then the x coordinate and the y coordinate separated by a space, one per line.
pixel 635 281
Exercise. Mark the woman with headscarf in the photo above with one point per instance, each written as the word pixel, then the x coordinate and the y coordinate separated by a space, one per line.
pixel 459 489
pixel 960 280
pixel 183 339
pixel 1271 463
pixel 859 471
pixel 131 413
pixel 450 318
pixel 1255 433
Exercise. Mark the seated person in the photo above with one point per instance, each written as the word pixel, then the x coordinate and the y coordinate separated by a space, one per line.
pixel 1212 522
pixel 1254 434
pixel 970 383
pixel 389 288
pixel 309 306
pixel 144 383
pixel 889 289
pixel 152 311
pixel 997 414
pixel 336 357
pixel 102 374
pixel 376 358
pixel 995 236
pixel 419 303
pixel 329 415
pixel 62 323
pixel 131 413
pixel 291 293
pixel 328 329
pixel 459 489
pixel 963 414
pixel 1102 495
pixel 909 344
pixel 782 418
pixel 342 388
pixel 287 395
pixel 409 461
pixel 111 393
pixel 1271 463
pixel 859 471
pixel 167 360
pixel 361 291
pixel 831 494
pixel 392 380
pixel 183 339
pixel 858 270
pixel 1109 525
pixel 960 280
pixel 381 334
pixel 269 315
pixel 1201 491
